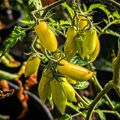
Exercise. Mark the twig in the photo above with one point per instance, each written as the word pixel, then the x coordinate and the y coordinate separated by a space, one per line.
pixel 112 112
pixel 96 82
pixel 109 86
pixel 100 88
pixel 82 100
pixel 115 3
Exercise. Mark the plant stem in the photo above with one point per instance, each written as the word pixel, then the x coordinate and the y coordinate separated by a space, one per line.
pixel 82 100
pixel 48 7
pixel 100 88
pixel 96 82
pixel 112 112
pixel 79 113
pixel 8 76
pixel 114 2
pixel 108 86
pixel 111 23
pixel 4 117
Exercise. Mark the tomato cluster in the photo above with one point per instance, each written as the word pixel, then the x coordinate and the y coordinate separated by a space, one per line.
pixel 59 73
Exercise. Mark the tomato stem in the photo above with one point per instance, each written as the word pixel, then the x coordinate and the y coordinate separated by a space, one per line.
pixel 108 86
pixel 114 2
pixel 77 114
pixel 111 112
pixel 97 84
pixel 82 100
pixel 47 8
pixel 42 56
pixel 111 23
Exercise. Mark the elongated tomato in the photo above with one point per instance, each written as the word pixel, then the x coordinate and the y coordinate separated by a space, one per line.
pixel 74 71
pixel 46 36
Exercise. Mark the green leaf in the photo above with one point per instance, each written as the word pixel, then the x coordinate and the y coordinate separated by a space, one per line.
pixel 17 35
pixel 69 9
pixel 64 22
pixel 101 114
pixel 101 102
pixel 79 61
pixel 84 7
pixel 81 85
pixel 116 14
pixel 27 22
pixel 111 32
pixel 85 113
pixel 117 106
pixel 101 7
pixel 35 3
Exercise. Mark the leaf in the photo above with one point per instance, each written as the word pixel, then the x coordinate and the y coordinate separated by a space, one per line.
pixel 69 9
pixel 81 85
pixel 27 22
pixel 111 32
pixel 35 3
pixel 101 114
pixel 116 14
pixel 84 112
pixel 101 7
pixel 117 106
pixel 84 7
pixel 101 102
pixel 17 35
pixel 78 61
pixel 64 22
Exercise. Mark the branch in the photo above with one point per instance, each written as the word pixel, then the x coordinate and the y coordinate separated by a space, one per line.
pixel 96 100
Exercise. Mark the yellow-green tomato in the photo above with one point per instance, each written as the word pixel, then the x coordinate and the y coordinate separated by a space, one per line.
pixel 69 90
pixel 44 90
pixel 82 22
pixel 58 95
pixel 73 71
pixel 95 53
pixel 69 46
pixel 46 36
pixel 32 65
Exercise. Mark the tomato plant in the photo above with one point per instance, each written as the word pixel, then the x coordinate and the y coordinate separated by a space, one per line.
pixel 68 68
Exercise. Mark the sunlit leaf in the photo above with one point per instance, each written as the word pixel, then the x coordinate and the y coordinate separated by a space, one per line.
pixel 101 7
pixel 17 35
pixel 36 3
pixel 116 14
pixel 81 85
pixel 69 9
